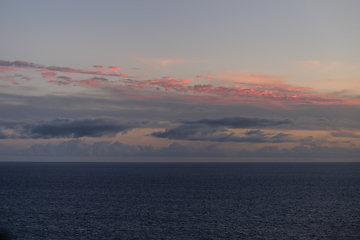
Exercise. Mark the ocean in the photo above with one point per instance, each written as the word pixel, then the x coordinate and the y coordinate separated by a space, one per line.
pixel 179 200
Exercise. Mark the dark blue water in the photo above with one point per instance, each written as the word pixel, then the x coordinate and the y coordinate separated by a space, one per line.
pixel 180 200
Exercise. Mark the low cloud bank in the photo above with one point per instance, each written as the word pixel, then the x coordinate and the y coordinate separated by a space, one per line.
pixel 205 133
pixel 215 130
pixel 68 128
pixel 108 148
pixel 241 122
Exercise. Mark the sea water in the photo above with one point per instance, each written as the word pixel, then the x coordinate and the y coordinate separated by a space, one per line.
pixel 180 200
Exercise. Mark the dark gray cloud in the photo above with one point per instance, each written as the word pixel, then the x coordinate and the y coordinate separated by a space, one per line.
pixel 65 78
pixel 206 133
pixel 345 134
pixel 166 109
pixel 188 132
pixel 108 148
pixel 3 135
pixel 254 132
pixel 8 124
pixel 242 122
pixel 100 79
pixel 70 128
pixel 215 130
pixel 322 123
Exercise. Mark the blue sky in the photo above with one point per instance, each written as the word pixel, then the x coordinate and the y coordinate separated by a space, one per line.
pixel 155 75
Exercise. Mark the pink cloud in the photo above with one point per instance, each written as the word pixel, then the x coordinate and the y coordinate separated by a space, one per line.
pixel 254 89
pixel 275 94
pixel 114 69
pixel 4 69
pixel 94 82
pixel 224 94
pixel 206 78
pixel 99 67
pixel 47 74
pixel 9 79
pixel 169 83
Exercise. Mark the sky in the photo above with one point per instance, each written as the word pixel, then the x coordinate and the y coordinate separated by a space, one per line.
pixel 180 80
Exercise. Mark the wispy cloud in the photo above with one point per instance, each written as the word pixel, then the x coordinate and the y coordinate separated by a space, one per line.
pixel 9 79
pixel 237 94
pixel 261 90
pixel 99 70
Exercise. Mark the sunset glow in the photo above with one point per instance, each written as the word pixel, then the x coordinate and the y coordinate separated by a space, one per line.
pixel 247 80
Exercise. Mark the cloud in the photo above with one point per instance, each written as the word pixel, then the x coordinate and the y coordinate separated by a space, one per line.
pixel 333 124
pixel 67 128
pixel 345 134
pixel 23 77
pixel 114 68
pixel 3 135
pixel 257 90
pixel 254 132
pixel 215 130
pixel 9 79
pixel 4 69
pixel 47 74
pixel 235 94
pixel 201 133
pixel 242 122
pixel 280 87
pixel 70 128
pixel 49 71
pixel 108 148
pixel 94 82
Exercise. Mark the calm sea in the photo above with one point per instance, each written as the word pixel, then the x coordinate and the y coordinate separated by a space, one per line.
pixel 180 200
